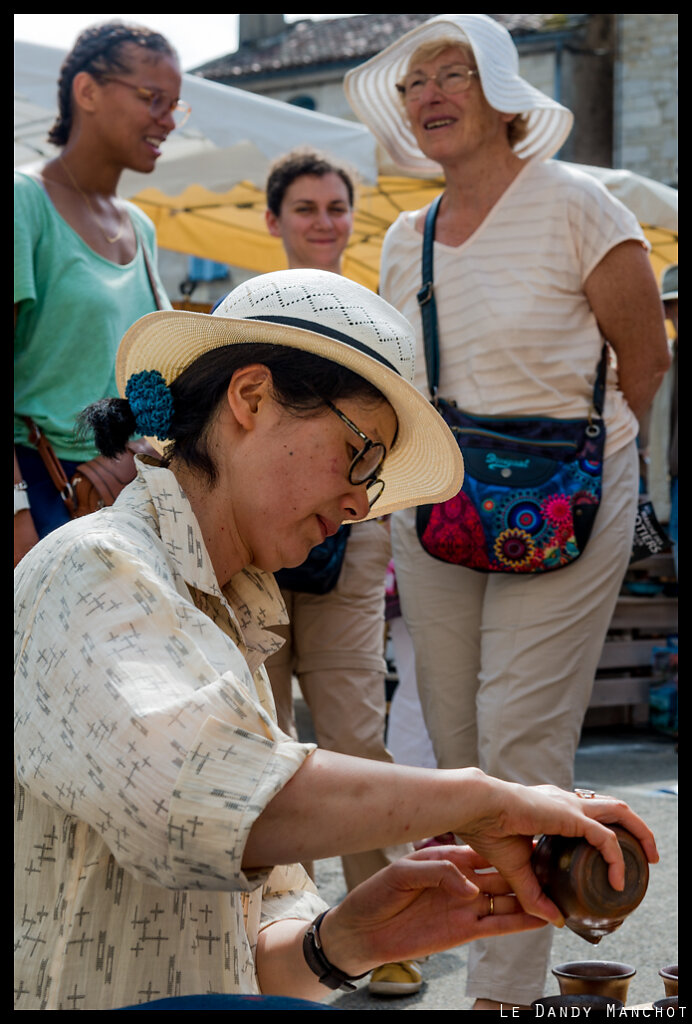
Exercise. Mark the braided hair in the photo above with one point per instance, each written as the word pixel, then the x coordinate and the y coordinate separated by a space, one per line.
pixel 99 50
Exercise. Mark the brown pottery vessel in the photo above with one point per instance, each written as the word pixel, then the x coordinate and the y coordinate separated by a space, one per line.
pixel 575 877
pixel 669 1003
pixel 595 977
pixel 670 979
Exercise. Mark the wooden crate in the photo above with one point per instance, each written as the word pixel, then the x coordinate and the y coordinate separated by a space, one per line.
pixel 639 624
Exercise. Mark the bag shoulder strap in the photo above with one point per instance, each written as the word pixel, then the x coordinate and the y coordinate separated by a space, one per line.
pixel 600 382
pixel 426 301
pixel 51 461
pixel 428 309
pixel 150 272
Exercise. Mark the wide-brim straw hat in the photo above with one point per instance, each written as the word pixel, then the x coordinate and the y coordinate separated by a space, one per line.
pixel 371 90
pixel 329 316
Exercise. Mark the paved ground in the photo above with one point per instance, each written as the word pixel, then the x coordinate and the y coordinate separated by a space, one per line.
pixel 641 767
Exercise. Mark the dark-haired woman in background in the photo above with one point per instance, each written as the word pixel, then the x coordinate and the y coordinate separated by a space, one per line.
pixel 84 260
pixel 334 642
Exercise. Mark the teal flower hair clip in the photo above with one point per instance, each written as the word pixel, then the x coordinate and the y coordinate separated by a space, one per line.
pixel 151 403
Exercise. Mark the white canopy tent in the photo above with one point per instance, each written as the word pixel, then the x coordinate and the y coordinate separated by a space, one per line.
pixel 222 119
pixel 205 194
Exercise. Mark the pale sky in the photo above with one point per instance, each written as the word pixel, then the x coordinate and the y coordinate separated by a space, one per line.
pixel 196 37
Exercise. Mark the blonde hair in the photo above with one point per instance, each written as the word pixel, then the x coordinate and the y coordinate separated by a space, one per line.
pixel 518 127
pixel 433 48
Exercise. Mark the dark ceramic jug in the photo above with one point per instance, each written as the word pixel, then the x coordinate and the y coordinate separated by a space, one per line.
pixel 575 876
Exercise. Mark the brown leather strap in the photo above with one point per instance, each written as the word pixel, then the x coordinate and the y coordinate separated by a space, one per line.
pixel 52 463
pixel 150 273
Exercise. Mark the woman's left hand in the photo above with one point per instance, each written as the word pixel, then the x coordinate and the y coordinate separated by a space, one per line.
pixel 424 903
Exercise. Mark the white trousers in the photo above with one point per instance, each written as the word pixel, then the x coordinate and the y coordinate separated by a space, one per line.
pixel 505 666
pixel 407 737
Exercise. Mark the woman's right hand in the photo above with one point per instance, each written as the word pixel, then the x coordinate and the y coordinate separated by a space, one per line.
pixel 512 815
pixel 424 903
pixel 25 535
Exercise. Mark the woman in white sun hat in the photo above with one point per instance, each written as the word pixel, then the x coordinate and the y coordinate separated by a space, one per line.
pixel 534 265
pixel 156 792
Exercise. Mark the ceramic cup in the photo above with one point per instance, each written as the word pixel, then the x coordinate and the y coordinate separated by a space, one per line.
pixel 670 979
pixel 595 977
pixel 583 1002
pixel 669 1003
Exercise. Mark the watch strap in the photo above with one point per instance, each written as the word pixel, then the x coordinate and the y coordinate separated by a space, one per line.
pixel 328 974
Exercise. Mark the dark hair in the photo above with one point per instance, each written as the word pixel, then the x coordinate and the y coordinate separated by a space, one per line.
pixel 99 50
pixel 295 164
pixel 199 390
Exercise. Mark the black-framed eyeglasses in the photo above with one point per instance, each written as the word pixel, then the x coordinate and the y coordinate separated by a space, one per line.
pixel 451 79
pixel 158 102
pixel 367 462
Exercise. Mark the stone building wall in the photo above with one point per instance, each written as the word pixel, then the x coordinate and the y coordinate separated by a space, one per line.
pixel 646 95
pixel 626 120
pixel 646 142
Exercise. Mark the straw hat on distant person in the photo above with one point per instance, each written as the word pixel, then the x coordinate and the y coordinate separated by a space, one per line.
pixel 669 283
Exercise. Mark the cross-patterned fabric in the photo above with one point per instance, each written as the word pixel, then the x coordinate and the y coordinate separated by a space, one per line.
pixel 146 747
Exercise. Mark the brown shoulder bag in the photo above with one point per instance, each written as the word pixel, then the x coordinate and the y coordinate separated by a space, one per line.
pixel 95 483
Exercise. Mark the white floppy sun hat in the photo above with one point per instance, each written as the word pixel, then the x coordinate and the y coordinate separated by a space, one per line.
pixel 371 90
pixel 329 316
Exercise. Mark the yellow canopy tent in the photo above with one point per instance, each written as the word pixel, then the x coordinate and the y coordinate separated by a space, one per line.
pixel 205 196
pixel 229 227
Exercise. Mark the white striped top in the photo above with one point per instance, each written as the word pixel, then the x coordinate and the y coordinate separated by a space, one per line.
pixel 517 335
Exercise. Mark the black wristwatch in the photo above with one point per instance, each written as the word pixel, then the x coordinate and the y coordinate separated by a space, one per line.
pixel 328 974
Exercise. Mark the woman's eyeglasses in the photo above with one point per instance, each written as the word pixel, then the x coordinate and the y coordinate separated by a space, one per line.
pixel 451 79
pixel 367 462
pixel 158 102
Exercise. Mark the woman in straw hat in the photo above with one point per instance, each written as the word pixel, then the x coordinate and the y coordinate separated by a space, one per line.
pixel 160 810
pixel 534 265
